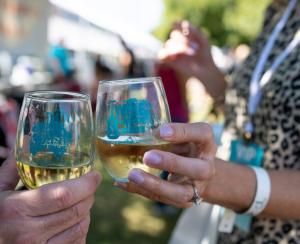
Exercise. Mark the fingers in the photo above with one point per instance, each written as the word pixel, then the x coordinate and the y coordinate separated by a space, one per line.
pixel 178 179
pixel 8 175
pixel 178 36
pixel 187 149
pixel 193 168
pixel 134 188
pixel 75 234
pixel 173 50
pixel 192 33
pixel 181 148
pixel 179 39
pixel 55 223
pixel 200 133
pixel 177 45
pixel 152 185
pixel 55 197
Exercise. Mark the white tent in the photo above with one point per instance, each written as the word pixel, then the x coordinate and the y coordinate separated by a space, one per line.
pixel 132 19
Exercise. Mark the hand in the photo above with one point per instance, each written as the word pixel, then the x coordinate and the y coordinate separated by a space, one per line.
pixel 188 51
pixel 197 169
pixel 54 213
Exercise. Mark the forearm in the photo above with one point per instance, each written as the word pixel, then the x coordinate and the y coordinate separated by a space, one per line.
pixel 234 186
pixel 285 195
pixel 210 76
pixel 214 82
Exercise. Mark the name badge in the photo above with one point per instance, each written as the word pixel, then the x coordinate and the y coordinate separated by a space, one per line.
pixel 246 153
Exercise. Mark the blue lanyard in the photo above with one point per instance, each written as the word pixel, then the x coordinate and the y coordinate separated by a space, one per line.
pixel 258 79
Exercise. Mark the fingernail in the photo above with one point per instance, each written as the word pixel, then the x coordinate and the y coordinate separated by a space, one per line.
pixel 166 130
pixel 152 158
pixel 136 176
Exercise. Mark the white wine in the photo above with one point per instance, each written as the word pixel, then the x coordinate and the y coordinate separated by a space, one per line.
pixel 121 155
pixel 44 169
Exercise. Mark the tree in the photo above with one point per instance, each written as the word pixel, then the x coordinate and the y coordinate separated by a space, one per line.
pixel 226 22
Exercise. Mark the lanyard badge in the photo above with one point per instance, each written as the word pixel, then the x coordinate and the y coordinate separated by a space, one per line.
pixel 246 152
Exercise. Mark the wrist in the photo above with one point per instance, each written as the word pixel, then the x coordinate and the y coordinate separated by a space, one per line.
pixel 207 191
pixel 263 191
pixel 232 186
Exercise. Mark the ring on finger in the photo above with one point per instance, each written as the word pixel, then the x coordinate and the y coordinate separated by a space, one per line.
pixel 196 197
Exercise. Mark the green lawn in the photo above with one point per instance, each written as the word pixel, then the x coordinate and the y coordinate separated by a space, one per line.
pixel 120 217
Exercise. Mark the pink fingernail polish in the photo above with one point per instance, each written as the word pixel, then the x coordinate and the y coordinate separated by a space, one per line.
pixel 151 158
pixel 136 176
pixel 166 130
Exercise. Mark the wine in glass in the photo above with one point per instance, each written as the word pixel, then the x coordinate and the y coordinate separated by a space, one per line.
pixel 54 138
pixel 128 117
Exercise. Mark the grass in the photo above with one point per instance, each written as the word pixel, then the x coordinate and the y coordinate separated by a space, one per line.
pixel 119 218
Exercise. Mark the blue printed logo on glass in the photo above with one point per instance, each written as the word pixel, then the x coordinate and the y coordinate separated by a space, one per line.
pixel 131 116
pixel 50 135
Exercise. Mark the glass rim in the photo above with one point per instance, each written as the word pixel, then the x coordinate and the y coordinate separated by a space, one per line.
pixel 126 81
pixel 42 95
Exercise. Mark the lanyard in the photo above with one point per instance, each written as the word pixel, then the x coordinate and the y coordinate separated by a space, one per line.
pixel 258 79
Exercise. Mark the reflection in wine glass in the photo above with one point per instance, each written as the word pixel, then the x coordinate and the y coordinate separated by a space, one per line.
pixel 128 117
pixel 54 137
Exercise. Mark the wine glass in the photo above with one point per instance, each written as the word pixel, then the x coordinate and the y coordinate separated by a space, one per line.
pixel 54 138
pixel 128 117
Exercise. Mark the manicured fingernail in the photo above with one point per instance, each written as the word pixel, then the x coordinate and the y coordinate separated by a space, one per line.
pixel 166 131
pixel 135 175
pixel 151 158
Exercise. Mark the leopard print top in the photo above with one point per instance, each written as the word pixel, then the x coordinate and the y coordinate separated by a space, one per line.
pixel 276 121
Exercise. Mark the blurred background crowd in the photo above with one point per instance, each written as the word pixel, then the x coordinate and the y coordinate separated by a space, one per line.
pixel 71 45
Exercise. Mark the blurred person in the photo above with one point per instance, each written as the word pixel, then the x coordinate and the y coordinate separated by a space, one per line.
pixel 6 64
pixel 261 132
pixel 9 110
pixel 61 59
pixel 85 71
pixel 102 72
pixel 175 92
pixel 240 53
pixel 53 213
pixel 128 61
pixel 62 65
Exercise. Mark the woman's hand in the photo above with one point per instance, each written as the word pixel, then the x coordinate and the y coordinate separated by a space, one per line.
pixel 187 49
pixel 189 52
pixel 219 182
pixel 196 170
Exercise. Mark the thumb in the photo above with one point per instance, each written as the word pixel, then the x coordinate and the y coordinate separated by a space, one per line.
pixel 199 133
pixel 8 175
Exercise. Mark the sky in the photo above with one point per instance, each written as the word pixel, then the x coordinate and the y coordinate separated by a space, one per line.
pixel 118 15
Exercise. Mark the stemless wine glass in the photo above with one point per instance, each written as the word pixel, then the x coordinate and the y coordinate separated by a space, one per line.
pixel 128 116
pixel 54 138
